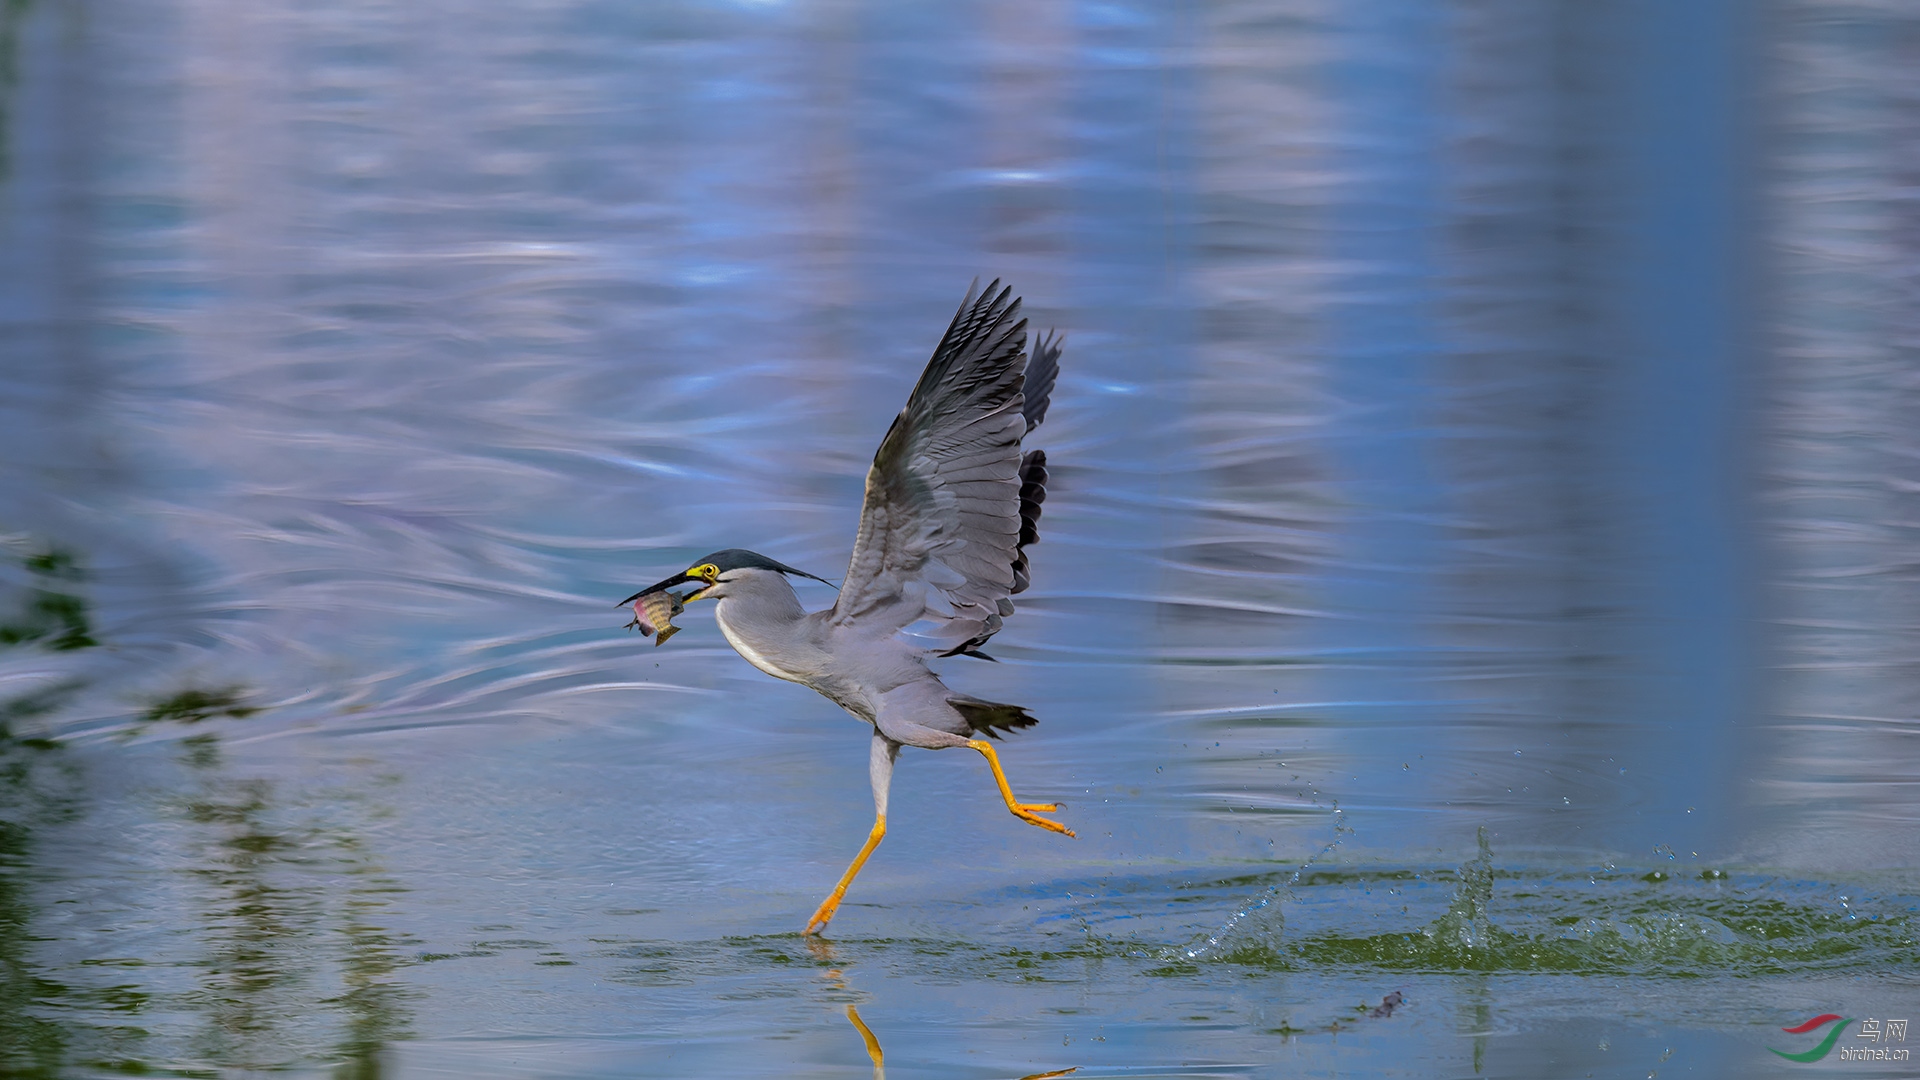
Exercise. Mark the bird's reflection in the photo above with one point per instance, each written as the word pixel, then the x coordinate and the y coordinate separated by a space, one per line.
pixel 836 977
pixel 873 1045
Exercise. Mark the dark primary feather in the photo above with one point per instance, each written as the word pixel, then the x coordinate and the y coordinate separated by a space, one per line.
pixel 1042 370
pixel 1033 492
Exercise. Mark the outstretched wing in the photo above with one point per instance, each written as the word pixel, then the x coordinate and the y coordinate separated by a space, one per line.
pixel 940 535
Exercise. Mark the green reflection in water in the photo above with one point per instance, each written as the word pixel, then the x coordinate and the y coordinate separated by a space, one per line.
pixel 194 704
pixel 374 1001
pixel 13 16
pixel 55 613
pixel 37 789
pixel 33 705
pixel 283 946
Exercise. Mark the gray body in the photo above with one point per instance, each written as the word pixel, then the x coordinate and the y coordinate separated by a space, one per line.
pixel 882 679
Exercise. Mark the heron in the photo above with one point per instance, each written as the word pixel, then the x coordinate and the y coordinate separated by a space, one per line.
pixel 952 503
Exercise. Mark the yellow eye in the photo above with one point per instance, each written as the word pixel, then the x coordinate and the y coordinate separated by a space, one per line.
pixel 705 571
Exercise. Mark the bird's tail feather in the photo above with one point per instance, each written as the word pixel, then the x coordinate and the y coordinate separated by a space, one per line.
pixel 989 718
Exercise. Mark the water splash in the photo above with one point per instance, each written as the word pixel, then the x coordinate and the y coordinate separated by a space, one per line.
pixel 1259 923
pixel 1468 923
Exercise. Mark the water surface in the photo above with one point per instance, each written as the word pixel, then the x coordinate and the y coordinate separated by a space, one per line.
pixel 1477 566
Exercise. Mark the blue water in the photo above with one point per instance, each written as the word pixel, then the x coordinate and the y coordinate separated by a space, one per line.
pixel 1477 566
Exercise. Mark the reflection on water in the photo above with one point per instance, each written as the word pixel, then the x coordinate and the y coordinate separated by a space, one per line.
pixel 53 613
pixel 872 1044
pixel 37 789
pixel 280 903
pixel 276 946
pixel 1477 567
pixel 823 952
pixel 878 1055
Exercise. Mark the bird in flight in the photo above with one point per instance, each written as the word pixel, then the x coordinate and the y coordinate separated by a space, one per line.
pixel 951 505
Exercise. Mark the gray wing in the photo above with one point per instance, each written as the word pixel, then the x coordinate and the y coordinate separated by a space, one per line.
pixel 941 531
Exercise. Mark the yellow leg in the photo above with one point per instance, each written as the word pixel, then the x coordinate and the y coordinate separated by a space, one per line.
pixel 873 1044
pixel 1024 811
pixel 832 902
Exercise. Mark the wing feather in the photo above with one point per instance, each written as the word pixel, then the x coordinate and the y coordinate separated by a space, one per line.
pixel 944 521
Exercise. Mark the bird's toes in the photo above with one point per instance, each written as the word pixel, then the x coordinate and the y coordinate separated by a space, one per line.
pixel 1032 818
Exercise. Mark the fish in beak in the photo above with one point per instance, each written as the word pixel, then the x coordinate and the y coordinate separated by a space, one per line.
pixel 653 612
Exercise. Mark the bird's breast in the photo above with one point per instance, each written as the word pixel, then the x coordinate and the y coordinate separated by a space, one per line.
pixel 748 649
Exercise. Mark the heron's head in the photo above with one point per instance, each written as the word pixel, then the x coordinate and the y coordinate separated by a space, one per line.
pixel 711 574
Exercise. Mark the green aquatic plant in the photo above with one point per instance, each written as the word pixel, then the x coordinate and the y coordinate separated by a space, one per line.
pixel 1609 925
pixel 1485 919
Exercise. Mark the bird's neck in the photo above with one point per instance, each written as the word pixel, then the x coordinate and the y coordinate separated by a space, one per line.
pixel 765 623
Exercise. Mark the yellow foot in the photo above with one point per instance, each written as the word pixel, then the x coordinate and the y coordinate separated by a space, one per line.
pixel 1031 818
pixel 821 916
pixel 1027 812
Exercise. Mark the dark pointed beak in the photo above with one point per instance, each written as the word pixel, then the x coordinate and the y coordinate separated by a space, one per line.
pixel 677 579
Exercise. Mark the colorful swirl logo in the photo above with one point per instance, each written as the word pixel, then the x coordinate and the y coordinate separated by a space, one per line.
pixel 1826 1044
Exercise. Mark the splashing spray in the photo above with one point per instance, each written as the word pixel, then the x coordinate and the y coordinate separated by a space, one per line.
pixel 1261 917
